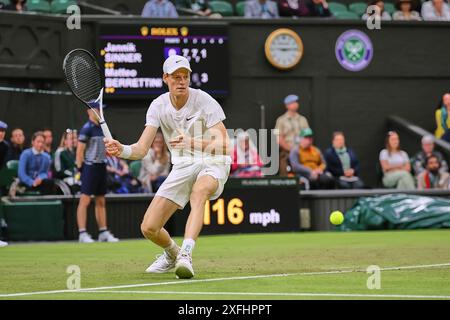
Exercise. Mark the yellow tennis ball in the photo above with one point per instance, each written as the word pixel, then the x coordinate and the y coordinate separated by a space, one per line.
pixel 336 218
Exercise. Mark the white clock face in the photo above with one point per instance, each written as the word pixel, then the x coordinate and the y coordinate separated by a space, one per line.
pixel 285 50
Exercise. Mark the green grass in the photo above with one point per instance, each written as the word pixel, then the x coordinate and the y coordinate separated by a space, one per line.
pixel 42 266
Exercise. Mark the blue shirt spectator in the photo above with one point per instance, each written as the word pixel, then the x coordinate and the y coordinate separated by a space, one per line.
pixel 159 9
pixel 34 163
pixel 265 9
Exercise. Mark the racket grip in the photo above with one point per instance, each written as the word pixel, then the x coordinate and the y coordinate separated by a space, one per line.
pixel 105 130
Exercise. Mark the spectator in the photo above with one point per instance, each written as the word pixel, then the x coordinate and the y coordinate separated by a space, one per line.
pixel 265 9
pixel 380 13
pixel 34 165
pixel 246 161
pixel 64 162
pixel 155 166
pixel 442 119
pixel 294 8
pixel 420 158
pixel 48 140
pixel 91 162
pixel 290 124
pixel 432 177
pixel 159 9
pixel 395 164
pixel 201 7
pixel 119 177
pixel 307 161
pixel 16 5
pixel 318 8
pixel 17 144
pixel 4 146
pixel 343 164
pixel 435 10
pixel 405 11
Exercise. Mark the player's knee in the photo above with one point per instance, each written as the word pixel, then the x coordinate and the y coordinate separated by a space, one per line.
pixel 198 195
pixel 149 230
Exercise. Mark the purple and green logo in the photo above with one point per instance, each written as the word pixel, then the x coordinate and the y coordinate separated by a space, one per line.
pixel 354 50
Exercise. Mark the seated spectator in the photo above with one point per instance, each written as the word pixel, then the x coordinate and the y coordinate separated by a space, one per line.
pixel 289 126
pixel 307 161
pixel 265 9
pixel 119 177
pixel 246 161
pixel 48 143
pixel 294 8
pixel 384 15
pixel 201 7
pixel 4 146
pixel 16 5
pixel 16 145
pixel 155 166
pixel 64 161
pixel 406 11
pixel 34 165
pixel 442 119
pixel 433 177
pixel 395 164
pixel 159 9
pixel 343 164
pixel 435 10
pixel 318 8
pixel 420 158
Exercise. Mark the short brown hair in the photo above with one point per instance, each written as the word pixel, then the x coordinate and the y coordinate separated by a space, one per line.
pixel 37 134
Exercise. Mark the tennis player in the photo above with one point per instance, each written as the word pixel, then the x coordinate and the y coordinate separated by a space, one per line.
pixel 191 122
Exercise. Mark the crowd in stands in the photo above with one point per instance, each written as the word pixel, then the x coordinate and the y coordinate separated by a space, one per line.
pixel 413 10
pixel 336 168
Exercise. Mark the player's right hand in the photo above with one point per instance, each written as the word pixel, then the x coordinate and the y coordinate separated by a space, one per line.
pixel 113 147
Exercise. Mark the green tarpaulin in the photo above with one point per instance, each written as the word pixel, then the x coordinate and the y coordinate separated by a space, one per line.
pixel 397 211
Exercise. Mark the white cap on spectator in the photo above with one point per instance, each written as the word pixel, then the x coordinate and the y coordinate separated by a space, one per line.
pixel 427 139
pixel 175 62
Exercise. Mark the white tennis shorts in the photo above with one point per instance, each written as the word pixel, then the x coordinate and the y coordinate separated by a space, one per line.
pixel 178 185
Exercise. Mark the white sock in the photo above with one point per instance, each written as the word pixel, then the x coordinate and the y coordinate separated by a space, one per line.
pixel 188 246
pixel 172 249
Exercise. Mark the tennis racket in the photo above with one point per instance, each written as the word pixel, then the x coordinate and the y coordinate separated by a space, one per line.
pixel 85 80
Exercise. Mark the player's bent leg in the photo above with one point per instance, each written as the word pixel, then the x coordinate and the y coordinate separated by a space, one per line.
pixel 203 189
pixel 159 211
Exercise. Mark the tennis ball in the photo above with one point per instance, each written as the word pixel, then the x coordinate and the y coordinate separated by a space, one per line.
pixel 336 218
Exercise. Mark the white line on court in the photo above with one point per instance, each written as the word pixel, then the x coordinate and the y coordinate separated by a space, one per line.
pixel 219 279
pixel 287 294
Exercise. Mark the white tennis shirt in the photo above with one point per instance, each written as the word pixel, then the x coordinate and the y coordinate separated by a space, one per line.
pixel 200 113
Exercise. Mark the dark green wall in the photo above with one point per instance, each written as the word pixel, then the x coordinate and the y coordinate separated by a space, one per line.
pixel 408 74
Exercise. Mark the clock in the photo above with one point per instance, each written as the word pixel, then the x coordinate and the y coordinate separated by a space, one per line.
pixel 283 48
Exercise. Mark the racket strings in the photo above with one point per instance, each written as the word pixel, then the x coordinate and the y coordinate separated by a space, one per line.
pixel 83 76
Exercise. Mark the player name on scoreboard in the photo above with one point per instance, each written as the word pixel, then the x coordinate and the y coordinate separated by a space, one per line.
pixel 132 57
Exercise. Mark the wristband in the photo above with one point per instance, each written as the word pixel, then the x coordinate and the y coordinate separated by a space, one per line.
pixel 126 152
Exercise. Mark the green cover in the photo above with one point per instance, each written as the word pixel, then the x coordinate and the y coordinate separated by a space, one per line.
pixel 397 211
pixel 27 221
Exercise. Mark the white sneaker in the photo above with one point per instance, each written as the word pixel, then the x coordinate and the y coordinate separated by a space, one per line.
pixel 163 263
pixel 107 236
pixel 3 244
pixel 183 266
pixel 85 237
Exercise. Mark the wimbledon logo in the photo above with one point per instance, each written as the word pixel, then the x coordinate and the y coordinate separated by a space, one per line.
pixel 354 50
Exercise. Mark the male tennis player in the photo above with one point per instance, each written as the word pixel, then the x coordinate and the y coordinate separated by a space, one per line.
pixel 191 122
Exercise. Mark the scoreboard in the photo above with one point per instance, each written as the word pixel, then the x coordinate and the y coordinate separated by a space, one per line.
pixel 131 57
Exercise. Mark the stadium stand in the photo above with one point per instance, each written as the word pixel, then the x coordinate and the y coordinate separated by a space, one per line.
pixel 222 7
